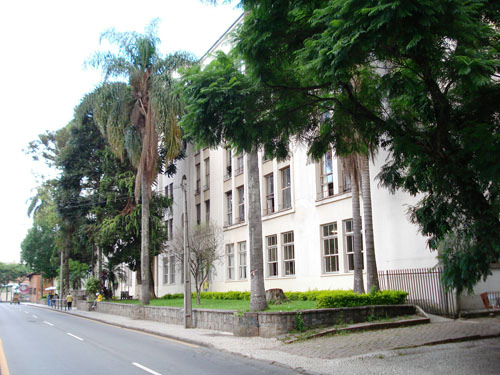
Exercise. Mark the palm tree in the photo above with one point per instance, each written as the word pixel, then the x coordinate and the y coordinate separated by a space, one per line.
pixel 138 116
pixel 371 264
pixel 351 163
pixel 257 288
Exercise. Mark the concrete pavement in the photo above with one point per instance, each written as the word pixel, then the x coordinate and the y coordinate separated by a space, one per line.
pixel 320 355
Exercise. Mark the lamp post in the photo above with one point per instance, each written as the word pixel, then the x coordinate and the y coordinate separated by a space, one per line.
pixel 187 276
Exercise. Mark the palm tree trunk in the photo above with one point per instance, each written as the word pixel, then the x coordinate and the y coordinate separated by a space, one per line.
pixel 371 263
pixel 257 289
pixel 144 295
pixel 356 223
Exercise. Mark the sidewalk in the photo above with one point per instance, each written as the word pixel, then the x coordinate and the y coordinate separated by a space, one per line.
pixel 315 355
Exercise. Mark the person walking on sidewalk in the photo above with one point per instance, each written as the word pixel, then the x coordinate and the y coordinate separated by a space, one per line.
pixel 69 300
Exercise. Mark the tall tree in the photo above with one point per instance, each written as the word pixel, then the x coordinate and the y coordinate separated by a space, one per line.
pixel 212 96
pixel 136 116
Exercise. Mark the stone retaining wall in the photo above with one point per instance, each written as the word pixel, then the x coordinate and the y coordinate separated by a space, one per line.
pixel 264 324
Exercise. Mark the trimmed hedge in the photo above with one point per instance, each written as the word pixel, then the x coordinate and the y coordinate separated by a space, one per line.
pixel 231 295
pixel 347 298
pixel 323 298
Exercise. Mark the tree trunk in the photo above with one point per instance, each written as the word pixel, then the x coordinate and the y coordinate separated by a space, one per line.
pixel 356 223
pixel 66 270
pixel 152 292
pixel 145 276
pixel 371 263
pixel 257 290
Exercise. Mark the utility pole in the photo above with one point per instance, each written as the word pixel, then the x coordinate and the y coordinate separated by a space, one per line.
pixel 61 278
pixel 187 277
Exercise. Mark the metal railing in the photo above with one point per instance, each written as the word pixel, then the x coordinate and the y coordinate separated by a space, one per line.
pixel 424 288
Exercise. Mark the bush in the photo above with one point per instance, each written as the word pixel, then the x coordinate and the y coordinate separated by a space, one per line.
pixel 92 285
pixel 348 298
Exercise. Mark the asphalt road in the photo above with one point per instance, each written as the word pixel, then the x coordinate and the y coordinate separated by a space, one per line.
pixel 42 341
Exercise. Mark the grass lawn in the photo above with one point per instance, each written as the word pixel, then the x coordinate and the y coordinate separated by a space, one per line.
pixel 239 305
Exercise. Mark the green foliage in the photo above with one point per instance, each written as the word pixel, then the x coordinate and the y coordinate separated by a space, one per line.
pixel 311 295
pixel 92 285
pixel 419 79
pixel 347 298
pixel 10 272
pixel 77 273
pixel 299 322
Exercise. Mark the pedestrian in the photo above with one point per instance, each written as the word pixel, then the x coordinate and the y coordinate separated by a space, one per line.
pixel 69 300
pixel 49 300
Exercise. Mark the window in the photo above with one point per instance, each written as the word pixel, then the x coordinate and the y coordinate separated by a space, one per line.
pixel 286 196
pixel 170 229
pixel 198 179
pixel 242 260
pixel 165 270
pixel 288 254
pixel 230 261
pixel 198 214
pixel 241 204
pixel 239 164
pixel 349 244
pixel 330 243
pixel 229 208
pixel 207 211
pixel 229 164
pixel 327 175
pixel 207 174
pixel 269 194
pixel 171 191
pixel 172 269
pixel 272 256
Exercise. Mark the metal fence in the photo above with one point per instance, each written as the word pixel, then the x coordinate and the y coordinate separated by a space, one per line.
pixel 424 287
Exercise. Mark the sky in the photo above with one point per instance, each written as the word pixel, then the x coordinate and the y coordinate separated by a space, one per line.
pixel 44 45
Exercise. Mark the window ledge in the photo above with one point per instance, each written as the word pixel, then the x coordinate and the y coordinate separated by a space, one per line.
pixel 333 198
pixel 276 214
pixel 234 226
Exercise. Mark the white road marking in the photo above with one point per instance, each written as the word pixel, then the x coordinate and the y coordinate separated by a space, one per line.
pixel 34 316
pixel 50 324
pixel 145 368
pixel 76 337
pixel 25 312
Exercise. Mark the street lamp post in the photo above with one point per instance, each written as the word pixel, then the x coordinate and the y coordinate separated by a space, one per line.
pixel 187 276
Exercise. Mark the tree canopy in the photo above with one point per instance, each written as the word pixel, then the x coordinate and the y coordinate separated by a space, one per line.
pixel 419 79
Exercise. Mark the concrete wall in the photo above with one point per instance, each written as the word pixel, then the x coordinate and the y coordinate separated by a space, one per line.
pixel 264 324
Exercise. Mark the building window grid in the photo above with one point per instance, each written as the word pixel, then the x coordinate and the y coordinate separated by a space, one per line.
pixel 230 261
pixel 229 207
pixel 241 204
pixel 229 164
pixel 172 269
pixel 198 214
pixel 239 165
pixel 198 179
pixel 242 260
pixel 286 194
pixel 327 188
pixel 330 242
pixel 207 174
pixel 166 268
pixel 272 256
pixel 269 194
pixel 349 245
pixel 288 254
